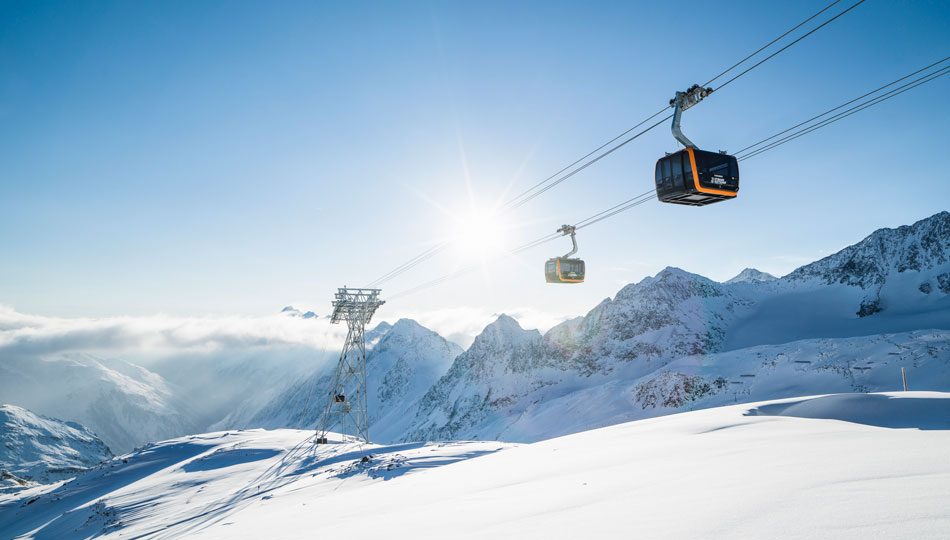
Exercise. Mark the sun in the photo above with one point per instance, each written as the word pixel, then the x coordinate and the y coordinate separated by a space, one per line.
pixel 479 234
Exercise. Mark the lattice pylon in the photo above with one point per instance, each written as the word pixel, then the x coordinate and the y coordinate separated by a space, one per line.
pixel 346 403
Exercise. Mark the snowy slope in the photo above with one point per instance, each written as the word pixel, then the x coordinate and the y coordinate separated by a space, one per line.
pixel 124 404
pixel 895 280
pixel 850 466
pixel 402 362
pixel 541 404
pixel 38 449
pixel 517 385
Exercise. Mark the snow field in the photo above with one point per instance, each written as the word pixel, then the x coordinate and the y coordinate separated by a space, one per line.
pixel 837 466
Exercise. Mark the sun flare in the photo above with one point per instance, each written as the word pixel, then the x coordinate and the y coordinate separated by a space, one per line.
pixel 478 235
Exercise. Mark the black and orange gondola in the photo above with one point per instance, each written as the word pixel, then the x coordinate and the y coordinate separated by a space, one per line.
pixel 692 176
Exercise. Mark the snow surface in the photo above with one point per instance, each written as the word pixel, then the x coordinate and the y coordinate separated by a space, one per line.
pixel 38 449
pixel 850 466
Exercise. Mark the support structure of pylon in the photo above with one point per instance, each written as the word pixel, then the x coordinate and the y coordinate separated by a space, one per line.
pixel 346 397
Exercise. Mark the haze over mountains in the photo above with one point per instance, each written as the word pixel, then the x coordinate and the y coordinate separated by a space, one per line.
pixel 671 342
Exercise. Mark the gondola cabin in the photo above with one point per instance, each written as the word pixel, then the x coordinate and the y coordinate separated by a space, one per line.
pixel 564 270
pixel 696 177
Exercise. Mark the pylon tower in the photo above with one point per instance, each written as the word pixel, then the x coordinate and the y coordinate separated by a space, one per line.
pixel 346 397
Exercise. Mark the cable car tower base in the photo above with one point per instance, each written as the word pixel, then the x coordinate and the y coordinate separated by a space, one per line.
pixel 346 398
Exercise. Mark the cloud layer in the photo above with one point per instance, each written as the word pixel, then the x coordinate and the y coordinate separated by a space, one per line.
pixel 160 335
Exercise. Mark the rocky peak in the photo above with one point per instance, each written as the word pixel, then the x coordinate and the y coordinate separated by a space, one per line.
pixel 502 346
pixel 408 335
pixel 670 285
pixel 294 312
pixel 376 334
pixel 751 275
pixel 920 247
pixel 40 449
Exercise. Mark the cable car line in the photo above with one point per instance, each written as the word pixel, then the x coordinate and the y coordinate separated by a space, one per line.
pixel 583 223
pixel 643 198
pixel 614 210
pixel 521 202
pixel 474 266
pixel 515 203
pixel 408 265
pixel 810 32
pixel 623 207
pixel 511 205
pixel 769 44
pixel 530 193
pixel 840 106
pixel 595 160
pixel 853 110
pixel 427 254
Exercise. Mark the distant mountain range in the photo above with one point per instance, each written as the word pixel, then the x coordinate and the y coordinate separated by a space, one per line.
pixel 678 341
pixel 672 342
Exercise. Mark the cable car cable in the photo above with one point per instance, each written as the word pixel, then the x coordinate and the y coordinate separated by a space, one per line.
pixel 548 179
pixel 527 196
pixel 432 251
pixel 584 222
pixel 840 106
pixel 409 264
pixel 616 209
pixel 769 44
pixel 810 32
pixel 521 202
pixel 853 110
pixel 595 160
pixel 845 114
pixel 652 196
pixel 466 269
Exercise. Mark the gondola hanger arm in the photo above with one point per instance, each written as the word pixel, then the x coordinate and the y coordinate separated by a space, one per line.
pixel 569 230
pixel 682 101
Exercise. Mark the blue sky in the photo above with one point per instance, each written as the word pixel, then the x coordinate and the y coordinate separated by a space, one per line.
pixel 234 157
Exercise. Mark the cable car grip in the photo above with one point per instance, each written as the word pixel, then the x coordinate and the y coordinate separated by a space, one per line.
pixel 569 230
pixel 682 101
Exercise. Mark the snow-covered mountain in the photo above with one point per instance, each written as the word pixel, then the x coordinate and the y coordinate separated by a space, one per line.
pixel 895 280
pixel 294 312
pixel 840 466
pixel 403 360
pixel 921 249
pixel 751 275
pixel 124 404
pixel 39 449
pixel 617 362
pixel 508 369
pixel 666 343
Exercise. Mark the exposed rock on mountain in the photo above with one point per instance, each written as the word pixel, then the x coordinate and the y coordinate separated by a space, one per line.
pixel 920 247
pixel 751 275
pixel 38 449
pixel 403 361
pixel 509 382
